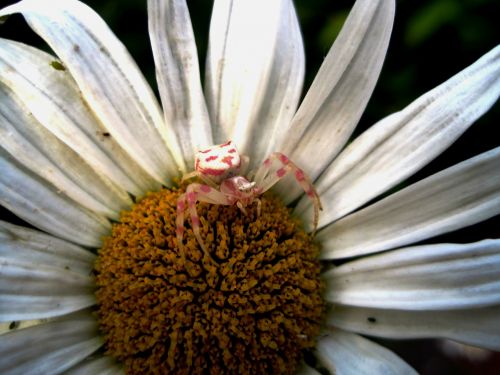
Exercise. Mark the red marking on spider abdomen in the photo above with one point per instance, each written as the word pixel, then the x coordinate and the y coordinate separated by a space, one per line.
pixel 210 158
pixel 205 151
pixel 228 160
pixel 212 171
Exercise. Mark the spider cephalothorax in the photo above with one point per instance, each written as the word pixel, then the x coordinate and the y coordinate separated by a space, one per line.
pixel 221 169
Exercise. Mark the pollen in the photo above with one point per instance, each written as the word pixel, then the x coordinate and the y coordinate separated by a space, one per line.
pixel 255 310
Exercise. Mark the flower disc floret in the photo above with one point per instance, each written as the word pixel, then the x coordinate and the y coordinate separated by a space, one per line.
pixel 252 312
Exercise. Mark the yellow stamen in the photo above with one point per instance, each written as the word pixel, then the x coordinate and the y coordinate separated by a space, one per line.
pixel 253 312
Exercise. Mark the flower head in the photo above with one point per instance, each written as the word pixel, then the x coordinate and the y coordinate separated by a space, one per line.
pixel 88 156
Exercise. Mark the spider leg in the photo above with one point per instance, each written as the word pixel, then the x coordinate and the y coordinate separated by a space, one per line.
pixel 189 175
pixel 259 206
pixel 241 207
pixel 276 167
pixel 179 225
pixel 196 193
pixel 244 163
pixel 207 180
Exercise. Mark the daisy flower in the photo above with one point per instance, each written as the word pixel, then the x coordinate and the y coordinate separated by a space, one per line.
pixel 90 159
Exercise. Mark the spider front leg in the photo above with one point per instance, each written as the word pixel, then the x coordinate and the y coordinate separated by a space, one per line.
pixel 276 167
pixel 201 176
pixel 195 193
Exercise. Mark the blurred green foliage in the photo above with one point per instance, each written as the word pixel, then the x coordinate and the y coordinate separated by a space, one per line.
pixel 430 18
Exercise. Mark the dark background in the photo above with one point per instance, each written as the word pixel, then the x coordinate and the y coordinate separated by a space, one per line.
pixel 431 41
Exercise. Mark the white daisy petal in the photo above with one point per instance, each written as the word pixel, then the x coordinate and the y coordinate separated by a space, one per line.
pixel 28 245
pixel 109 80
pixel 428 277
pixel 178 75
pixel 19 307
pixel 255 69
pixel 404 142
pixel 462 195
pixel 340 91
pixel 478 327
pixel 346 353
pixel 44 86
pixel 41 276
pixel 32 291
pixel 43 154
pixel 18 324
pixel 49 348
pixel 40 204
pixel 102 365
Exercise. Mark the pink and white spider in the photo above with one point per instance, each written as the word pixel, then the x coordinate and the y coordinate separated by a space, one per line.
pixel 220 168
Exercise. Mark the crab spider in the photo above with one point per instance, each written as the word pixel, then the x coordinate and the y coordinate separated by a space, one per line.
pixel 220 168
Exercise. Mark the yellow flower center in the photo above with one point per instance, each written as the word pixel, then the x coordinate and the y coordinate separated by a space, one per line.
pixel 253 312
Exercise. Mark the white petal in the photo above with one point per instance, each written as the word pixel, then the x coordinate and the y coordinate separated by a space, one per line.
pixel 13 325
pixel 40 204
pixel 178 75
pixel 49 348
pixel 345 353
pixel 55 100
pixel 109 79
pixel 340 91
pixel 101 365
pixel 41 276
pixel 404 142
pixel 30 245
pixel 255 69
pixel 478 327
pixel 43 154
pixel 19 307
pixel 462 195
pixel 28 291
pixel 428 277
